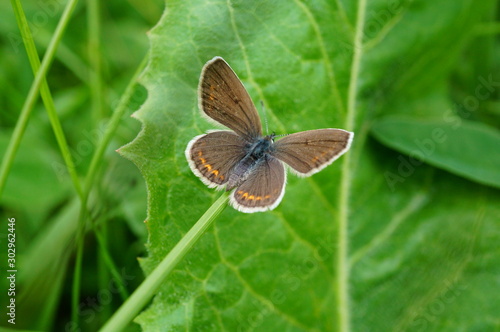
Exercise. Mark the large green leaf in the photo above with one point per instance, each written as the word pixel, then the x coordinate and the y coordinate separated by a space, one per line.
pixel 422 256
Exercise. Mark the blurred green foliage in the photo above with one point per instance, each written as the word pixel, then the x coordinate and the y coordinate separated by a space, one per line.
pixel 39 193
pixel 419 230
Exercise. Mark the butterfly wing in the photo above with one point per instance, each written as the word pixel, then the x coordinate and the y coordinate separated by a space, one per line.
pixel 263 189
pixel 212 156
pixel 224 99
pixel 308 152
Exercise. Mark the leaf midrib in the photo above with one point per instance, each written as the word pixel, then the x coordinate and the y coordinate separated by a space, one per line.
pixel 342 263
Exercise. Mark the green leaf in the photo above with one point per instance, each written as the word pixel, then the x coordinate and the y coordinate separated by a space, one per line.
pixel 453 144
pixel 421 256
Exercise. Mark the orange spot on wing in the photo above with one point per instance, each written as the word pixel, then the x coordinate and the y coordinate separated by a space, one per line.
pixel 221 177
pixel 207 166
pixel 203 160
pixel 267 197
pixel 258 198
pixel 252 197
pixel 216 172
pixel 240 192
pixel 244 196
pixel 200 153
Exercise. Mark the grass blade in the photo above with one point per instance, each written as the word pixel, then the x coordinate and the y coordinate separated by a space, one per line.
pixel 45 93
pixel 33 94
pixel 147 289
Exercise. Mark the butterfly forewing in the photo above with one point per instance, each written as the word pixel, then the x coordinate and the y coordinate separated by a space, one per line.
pixel 263 189
pixel 223 98
pixel 310 151
pixel 213 155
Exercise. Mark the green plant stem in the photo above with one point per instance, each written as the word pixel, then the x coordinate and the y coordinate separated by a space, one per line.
pixel 46 95
pixel 105 264
pixel 149 287
pixel 108 260
pixel 89 181
pixel 111 127
pixel 68 57
pixel 77 272
pixel 94 48
pixel 342 268
pixel 21 124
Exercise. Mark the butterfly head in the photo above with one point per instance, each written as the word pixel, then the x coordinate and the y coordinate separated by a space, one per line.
pixel 261 146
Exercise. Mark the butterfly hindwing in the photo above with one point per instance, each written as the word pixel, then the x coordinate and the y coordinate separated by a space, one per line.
pixel 212 156
pixel 263 189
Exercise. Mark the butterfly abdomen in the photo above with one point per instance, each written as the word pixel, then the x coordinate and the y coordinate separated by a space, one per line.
pixel 240 172
pixel 256 153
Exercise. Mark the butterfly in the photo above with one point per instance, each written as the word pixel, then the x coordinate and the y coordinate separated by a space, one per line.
pixel 242 159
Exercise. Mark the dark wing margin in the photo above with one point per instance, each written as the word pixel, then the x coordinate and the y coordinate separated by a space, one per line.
pixel 223 98
pixel 263 189
pixel 308 152
pixel 212 156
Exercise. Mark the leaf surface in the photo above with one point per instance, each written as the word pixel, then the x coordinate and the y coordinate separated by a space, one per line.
pixel 422 253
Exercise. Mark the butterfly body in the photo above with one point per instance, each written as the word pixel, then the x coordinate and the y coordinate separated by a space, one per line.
pixel 257 152
pixel 243 159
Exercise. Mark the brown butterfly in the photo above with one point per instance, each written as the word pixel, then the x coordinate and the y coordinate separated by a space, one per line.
pixel 242 158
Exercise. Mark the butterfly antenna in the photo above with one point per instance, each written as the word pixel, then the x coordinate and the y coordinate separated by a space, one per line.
pixel 265 115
